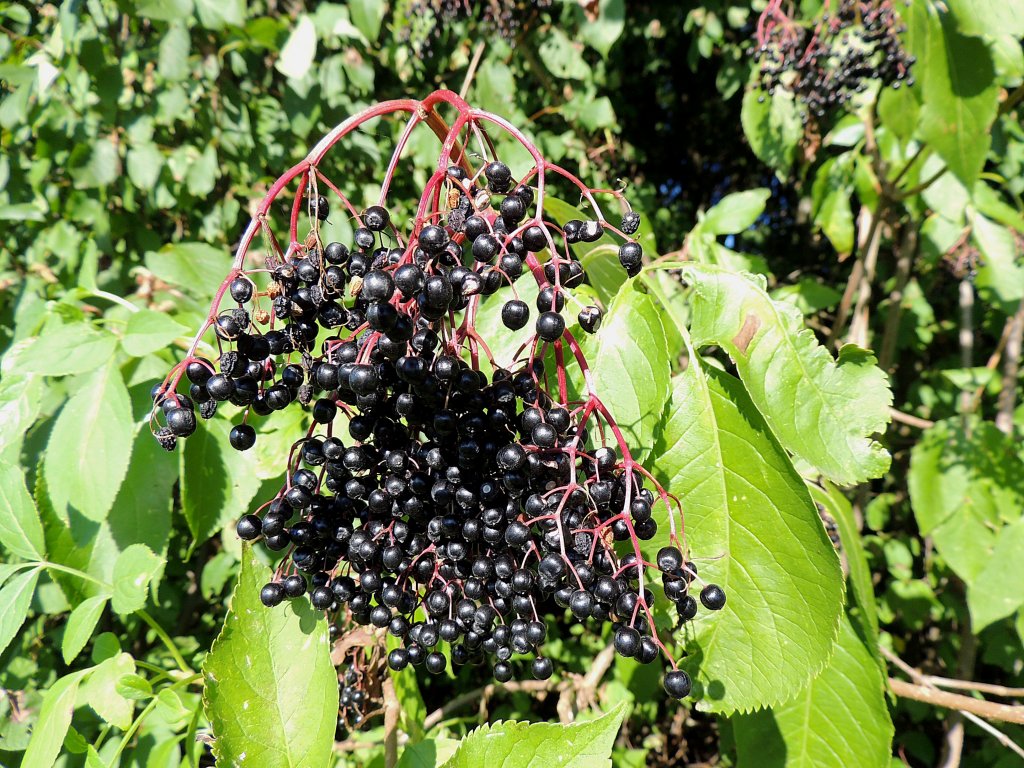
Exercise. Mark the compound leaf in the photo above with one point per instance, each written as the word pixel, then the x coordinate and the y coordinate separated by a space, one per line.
pixel 823 410
pixel 271 691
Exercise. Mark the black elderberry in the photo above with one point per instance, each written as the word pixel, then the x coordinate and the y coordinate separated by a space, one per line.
pixel 499 177
pixel 515 314
pixel 590 319
pixel 713 597
pixel 272 594
pixel 242 437
pixel 630 223
pixel 550 326
pixel 376 218
pixel 669 559
pixel 249 527
pixel 181 421
pixel 677 684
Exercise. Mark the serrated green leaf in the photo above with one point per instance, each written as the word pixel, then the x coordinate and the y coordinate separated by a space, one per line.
pixel 832 190
pixel 751 527
pixel 81 624
pixel 21 532
pixel 67 350
pixel 965 483
pixel 959 92
pixel 540 745
pixel 89 448
pixel 53 721
pixel 271 692
pixel 100 690
pixel 840 719
pixel 823 410
pixel 133 571
pixel 15 599
pixel 562 56
pixel 988 17
pixel 736 212
pixel 145 161
pixel 164 10
pixel 630 366
pixel 174 51
pixel 600 33
pixel 149 331
pixel 217 482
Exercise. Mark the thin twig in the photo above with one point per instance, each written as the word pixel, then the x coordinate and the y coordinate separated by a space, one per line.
pixel 966 337
pixel 856 277
pixel 910 420
pixel 392 710
pixel 1011 368
pixel 471 72
pixel 970 685
pixel 958 702
pixel 583 694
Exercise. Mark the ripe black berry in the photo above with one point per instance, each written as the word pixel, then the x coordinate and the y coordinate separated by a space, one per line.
pixel 271 594
pixel 181 421
pixel 713 597
pixel 499 177
pixel 242 437
pixel 515 314
pixel 550 326
pixel 376 218
pixel 677 684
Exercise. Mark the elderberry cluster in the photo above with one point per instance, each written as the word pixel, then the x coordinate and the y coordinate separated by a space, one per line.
pixel 427 19
pixel 451 508
pixel 827 66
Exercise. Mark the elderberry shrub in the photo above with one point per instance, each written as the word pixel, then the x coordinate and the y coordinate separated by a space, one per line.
pixel 825 67
pixel 429 499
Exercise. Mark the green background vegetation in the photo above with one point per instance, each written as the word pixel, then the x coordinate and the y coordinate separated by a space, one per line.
pixel 136 136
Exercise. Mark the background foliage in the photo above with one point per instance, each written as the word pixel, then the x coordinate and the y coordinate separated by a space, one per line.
pixel 136 135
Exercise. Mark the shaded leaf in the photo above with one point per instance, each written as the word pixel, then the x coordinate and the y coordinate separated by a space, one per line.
pixel 15 599
pixel 53 722
pixel 996 593
pixel 772 126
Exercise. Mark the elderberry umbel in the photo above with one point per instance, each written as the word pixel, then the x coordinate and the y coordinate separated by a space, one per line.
pixel 439 496
pixel 851 45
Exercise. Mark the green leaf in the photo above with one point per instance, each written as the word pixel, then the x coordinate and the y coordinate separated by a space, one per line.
pixel 100 690
pixel 174 51
pixel 540 745
pixel 134 687
pixel 840 719
pixel 772 126
pixel 960 95
pixel 562 56
pixel 751 526
pixel 407 691
pixel 21 532
pixel 823 410
pixel 217 14
pixel 68 350
pixel 81 624
pixel 965 484
pixel 15 599
pixel 271 691
pixel 164 10
pixel 1002 271
pixel 90 445
pixel 100 169
pixel 299 50
pixel 831 192
pixel 133 571
pixel 429 753
pixel 629 364
pixel 602 32
pixel 145 161
pixel 736 212
pixel 149 331
pixel 217 482
pixel 988 17
pixel 996 593
pixel 367 15
pixel 196 268
pixel 841 511
pixel 53 722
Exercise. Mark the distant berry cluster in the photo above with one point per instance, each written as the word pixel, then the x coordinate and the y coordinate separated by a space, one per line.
pixel 438 496
pixel 427 19
pixel 825 66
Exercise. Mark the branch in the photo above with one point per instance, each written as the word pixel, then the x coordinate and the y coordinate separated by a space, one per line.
pixel 392 709
pixel 929 695
pixel 529 686
pixel 1011 368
